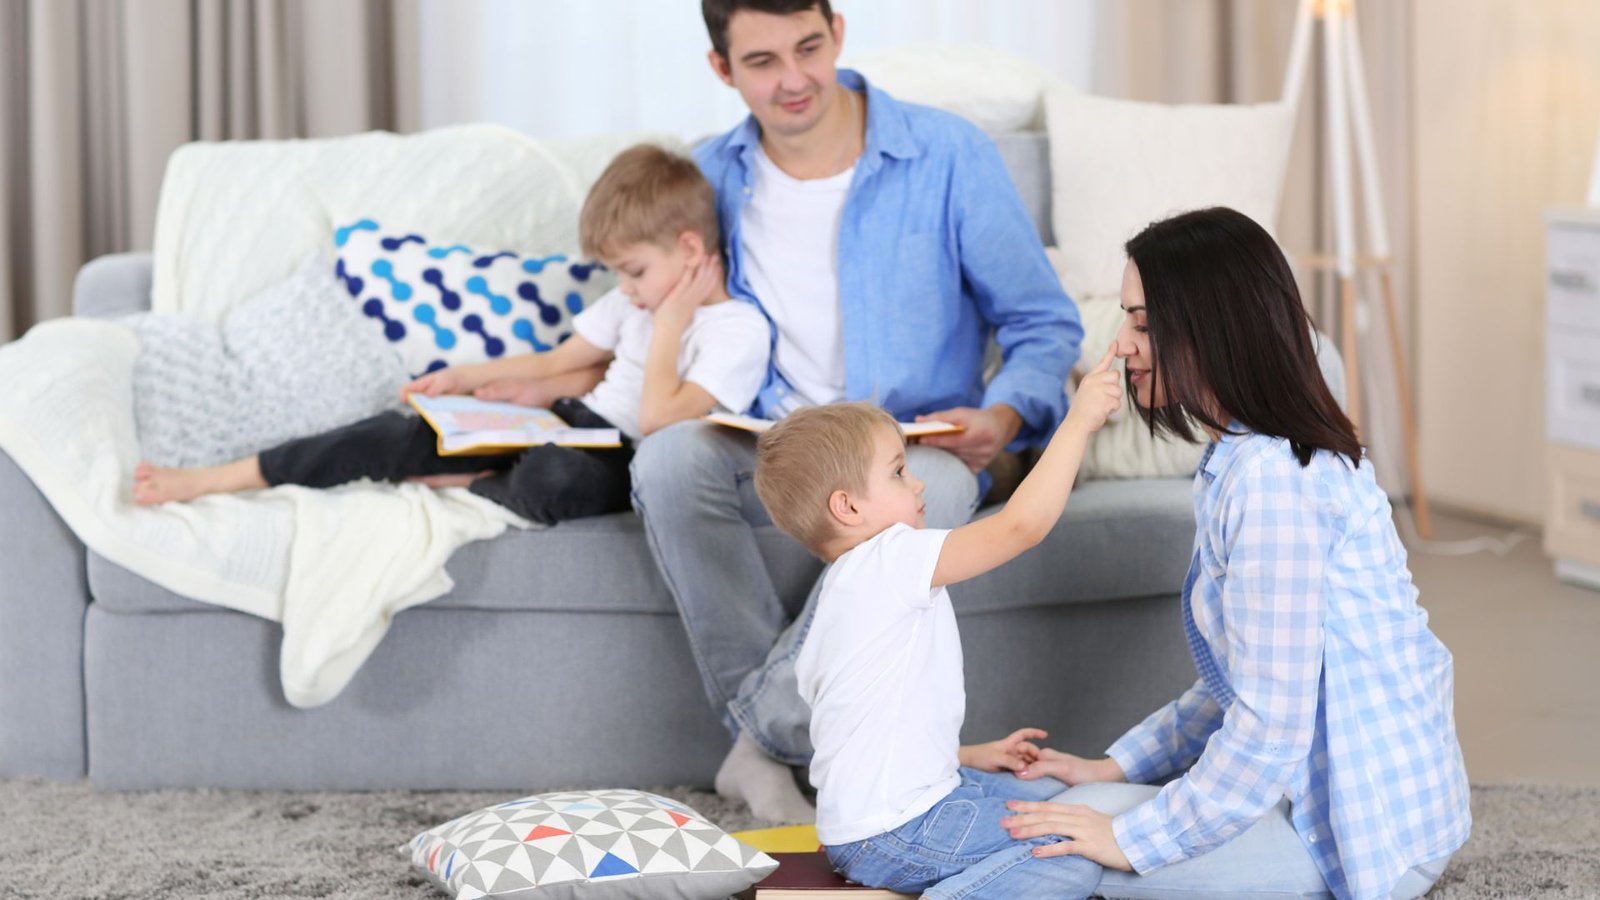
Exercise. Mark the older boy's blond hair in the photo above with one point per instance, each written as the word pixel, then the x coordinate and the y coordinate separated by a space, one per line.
pixel 808 455
pixel 647 195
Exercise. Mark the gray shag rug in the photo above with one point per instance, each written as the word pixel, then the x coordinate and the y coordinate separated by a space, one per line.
pixel 63 841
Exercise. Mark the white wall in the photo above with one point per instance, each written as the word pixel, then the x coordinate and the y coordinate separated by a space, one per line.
pixel 559 68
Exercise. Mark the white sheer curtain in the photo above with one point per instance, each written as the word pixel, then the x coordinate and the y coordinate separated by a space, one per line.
pixel 558 68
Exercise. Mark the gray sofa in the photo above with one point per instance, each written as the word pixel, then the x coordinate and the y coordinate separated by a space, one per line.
pixel 557 660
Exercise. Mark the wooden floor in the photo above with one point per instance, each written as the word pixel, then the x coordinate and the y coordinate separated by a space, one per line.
pixel 1527 654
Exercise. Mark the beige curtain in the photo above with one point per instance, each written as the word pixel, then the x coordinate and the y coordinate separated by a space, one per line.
pixel 96 94
pixel 1236 51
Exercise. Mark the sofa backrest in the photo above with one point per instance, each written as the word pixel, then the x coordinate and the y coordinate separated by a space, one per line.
pixel 1027 157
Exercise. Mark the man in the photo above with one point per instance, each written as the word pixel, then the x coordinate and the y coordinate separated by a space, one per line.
pixel 887 244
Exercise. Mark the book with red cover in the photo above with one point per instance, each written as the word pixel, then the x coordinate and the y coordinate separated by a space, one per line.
pixel 809 876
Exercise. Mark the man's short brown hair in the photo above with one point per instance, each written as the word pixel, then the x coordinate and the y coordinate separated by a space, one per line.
pixel 648 195
pixel 808 455
pixel 718 12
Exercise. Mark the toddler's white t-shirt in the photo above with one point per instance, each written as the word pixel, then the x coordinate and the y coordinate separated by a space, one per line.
pixel 725 350
pixel 881 670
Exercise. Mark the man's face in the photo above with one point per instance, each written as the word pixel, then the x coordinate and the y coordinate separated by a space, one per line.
pixel 783 66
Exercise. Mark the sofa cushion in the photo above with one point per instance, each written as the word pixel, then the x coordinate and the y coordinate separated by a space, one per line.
pixel 1116 166
pixel 447 304
pixel 1098 551
pixel 613 844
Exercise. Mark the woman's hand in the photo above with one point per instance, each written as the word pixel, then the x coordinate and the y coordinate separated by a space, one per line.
pixel 1071 769
pixel 1012 753
pixel 1090 830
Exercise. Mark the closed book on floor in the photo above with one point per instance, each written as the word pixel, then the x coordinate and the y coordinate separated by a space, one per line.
pixel 809 876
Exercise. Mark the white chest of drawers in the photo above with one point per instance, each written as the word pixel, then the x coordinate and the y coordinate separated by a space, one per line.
pixel 1572 393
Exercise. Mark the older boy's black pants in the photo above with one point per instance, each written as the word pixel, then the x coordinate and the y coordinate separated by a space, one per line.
pixel 545 484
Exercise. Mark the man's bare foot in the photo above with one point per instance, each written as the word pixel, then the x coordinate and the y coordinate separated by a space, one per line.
pixel 155 484
pixel 450 481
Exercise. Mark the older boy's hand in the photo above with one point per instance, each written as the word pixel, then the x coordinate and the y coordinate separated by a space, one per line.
pixel 987 432
pixel 1012 753
pixel 521 391
pixel 698 282
pixel 443 381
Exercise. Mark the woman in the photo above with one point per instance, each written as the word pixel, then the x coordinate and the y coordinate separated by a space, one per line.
pixel 1317 750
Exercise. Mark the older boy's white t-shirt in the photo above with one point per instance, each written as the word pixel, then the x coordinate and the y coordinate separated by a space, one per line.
pixel 790 233
pixel 881 670
pixel 725 349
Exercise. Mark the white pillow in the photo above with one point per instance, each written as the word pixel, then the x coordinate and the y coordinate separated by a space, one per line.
pixel 990 88
pixel 238 216
pixel 1116 166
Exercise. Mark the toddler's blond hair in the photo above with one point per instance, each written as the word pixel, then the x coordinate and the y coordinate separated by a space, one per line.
pixel 808 455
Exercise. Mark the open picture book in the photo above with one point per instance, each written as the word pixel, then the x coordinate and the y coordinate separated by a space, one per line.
pixel 468 426
pixel 751 423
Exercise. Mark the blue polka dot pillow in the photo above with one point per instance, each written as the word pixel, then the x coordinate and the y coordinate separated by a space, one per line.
pixel 449 304
pixel 571 845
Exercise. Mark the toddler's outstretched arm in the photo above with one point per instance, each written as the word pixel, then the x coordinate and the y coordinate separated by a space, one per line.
pixel 977 547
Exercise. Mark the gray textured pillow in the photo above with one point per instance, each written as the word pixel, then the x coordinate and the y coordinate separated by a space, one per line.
pixel 586 845
pixel 294 360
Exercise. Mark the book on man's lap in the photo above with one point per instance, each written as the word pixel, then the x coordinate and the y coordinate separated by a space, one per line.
pixel 755 425
pixel 809 876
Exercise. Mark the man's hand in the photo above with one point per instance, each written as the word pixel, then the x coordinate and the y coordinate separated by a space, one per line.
pixel 1071 769
pixel 521 391
pixel 1092 835
pixel 988 431
pixel 1012 753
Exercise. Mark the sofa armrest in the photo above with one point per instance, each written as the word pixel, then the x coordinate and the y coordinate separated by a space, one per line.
pixel 43 568
pixel 113 285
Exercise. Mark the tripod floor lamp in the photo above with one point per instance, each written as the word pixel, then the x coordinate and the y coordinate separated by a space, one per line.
pixel 1349 121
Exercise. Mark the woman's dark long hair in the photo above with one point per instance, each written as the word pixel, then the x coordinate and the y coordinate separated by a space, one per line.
pixel 1229 336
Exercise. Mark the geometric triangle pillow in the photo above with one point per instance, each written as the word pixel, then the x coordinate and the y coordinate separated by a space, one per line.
pixel 444 305
pixel 586 845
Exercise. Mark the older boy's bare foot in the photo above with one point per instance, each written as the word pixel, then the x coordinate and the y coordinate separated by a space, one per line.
pixel 155 484
pixel 449 481
pixel 764 783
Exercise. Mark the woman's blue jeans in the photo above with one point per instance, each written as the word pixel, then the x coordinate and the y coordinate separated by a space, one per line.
pixel 957 849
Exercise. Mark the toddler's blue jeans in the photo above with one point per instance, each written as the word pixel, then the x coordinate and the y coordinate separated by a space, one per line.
pixel 957 849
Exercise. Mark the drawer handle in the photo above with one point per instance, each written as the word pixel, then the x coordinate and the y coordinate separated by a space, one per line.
pixel 1589 509
pixel 1590 394
pixel 1571 280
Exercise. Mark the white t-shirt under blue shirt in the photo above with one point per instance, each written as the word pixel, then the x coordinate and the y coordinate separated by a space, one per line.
pixel 790 237
pixel 725 349
pixel 881 670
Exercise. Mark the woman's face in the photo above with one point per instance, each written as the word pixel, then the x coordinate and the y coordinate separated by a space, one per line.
pixel 1133 342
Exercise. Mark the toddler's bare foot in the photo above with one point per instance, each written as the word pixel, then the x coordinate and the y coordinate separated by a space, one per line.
pixel 450 481
pixel 155 484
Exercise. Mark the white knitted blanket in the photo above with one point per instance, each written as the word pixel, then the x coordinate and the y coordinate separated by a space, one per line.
pixel 333 566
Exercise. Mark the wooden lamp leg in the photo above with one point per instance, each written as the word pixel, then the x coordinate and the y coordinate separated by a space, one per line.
pixel 1348 343
pixel 1408 421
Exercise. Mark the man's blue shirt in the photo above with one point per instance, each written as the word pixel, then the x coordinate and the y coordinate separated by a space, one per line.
pixel 937 254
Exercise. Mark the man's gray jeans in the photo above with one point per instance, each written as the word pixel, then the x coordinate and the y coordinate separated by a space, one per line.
pixel 693 487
